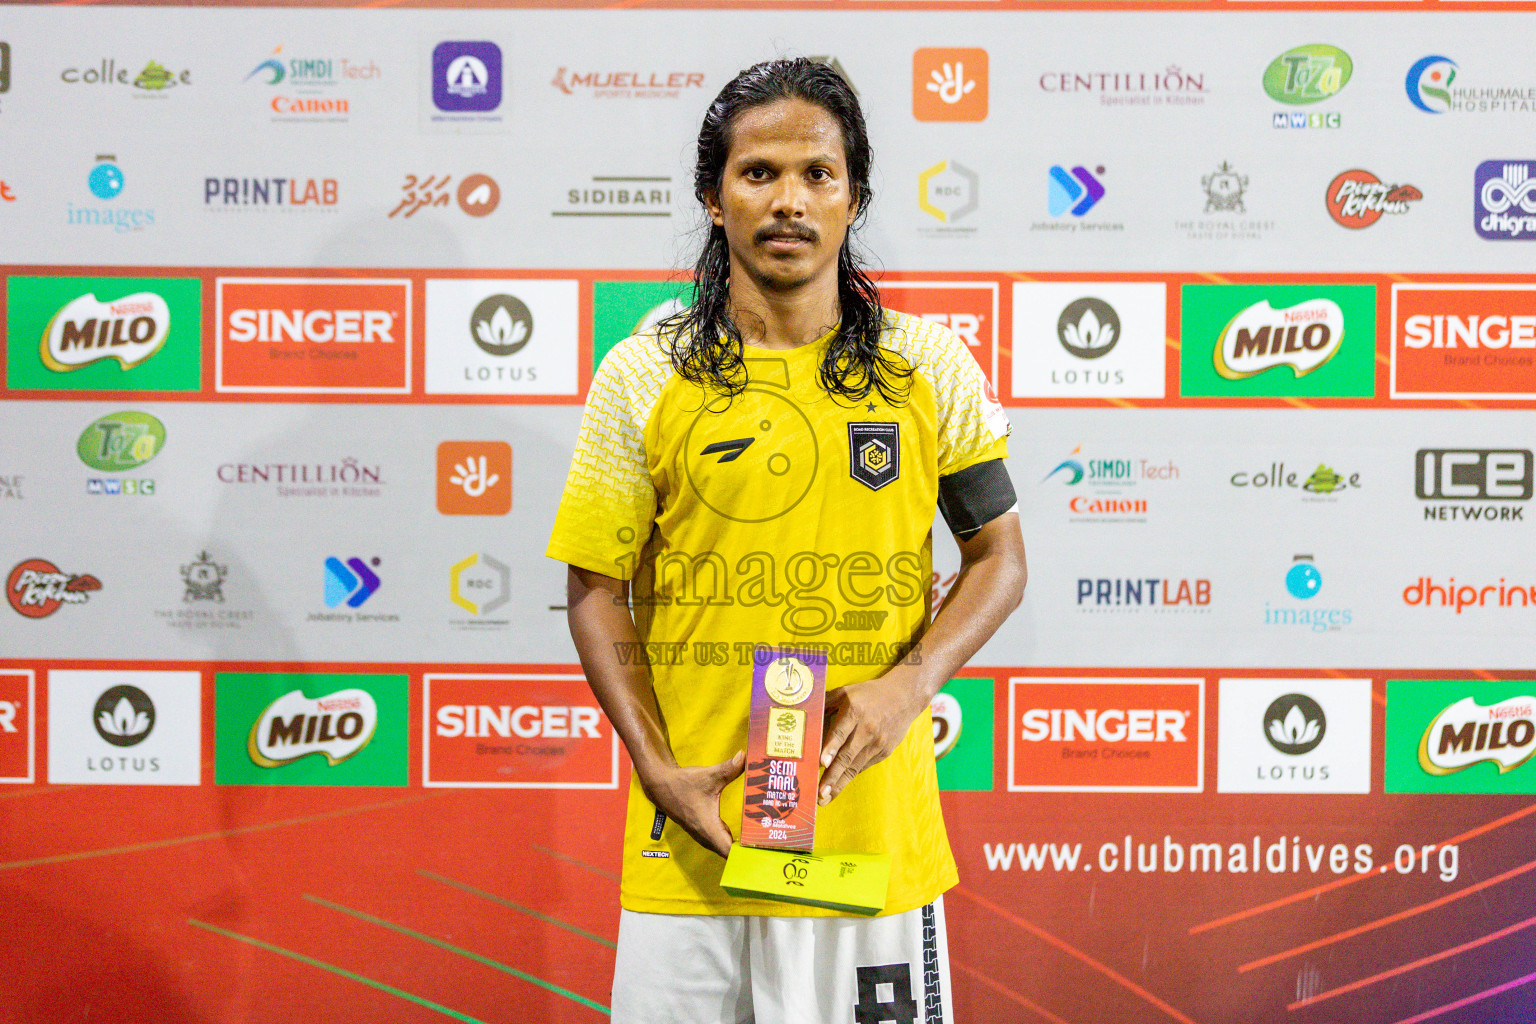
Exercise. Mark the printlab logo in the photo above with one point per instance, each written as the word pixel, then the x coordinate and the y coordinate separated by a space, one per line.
pixel 1483 483
pixel 1460 736
pixel 270 732
pixel 474 478
pixel 466 77
pixel 36 588
pixel 1317 736
pixel 480 584
pixel 478 195
pixel 105 181
pixel 949 84
pixel 1357 199
pixel 291 195
pixel 352 581
pixel 1294 724
pixel 1305 75
pixel 1303 582
pixel 1133 595
pixel 125 727
pixel 124 716
pixel 155 81
pixel 949 192
pixel 1504 206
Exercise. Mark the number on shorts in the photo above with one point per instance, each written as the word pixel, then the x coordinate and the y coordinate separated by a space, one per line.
pixel 900 1009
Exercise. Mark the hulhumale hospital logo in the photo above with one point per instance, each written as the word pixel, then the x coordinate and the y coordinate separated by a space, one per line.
pixel 1429 83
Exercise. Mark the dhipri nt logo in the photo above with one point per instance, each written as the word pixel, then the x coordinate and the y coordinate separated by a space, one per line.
pixel 1473 484
pixel 1426 593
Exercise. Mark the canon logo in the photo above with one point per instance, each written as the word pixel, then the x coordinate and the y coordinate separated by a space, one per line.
pixel 527 722
pixel 1136 725
pixel 313 325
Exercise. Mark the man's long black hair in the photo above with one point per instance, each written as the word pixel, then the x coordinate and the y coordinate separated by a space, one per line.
pixel 706 344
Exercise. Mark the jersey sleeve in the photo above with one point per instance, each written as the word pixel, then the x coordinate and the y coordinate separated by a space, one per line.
pixel 971 423
pixel 609 501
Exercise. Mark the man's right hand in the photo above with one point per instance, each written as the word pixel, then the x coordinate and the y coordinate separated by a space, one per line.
pixel 691 797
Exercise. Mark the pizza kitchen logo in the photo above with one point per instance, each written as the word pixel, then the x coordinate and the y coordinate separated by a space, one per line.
pixel 337 726
pixel 1302 337
pixel 1357 199
pixel 1468 733
pixel 36 588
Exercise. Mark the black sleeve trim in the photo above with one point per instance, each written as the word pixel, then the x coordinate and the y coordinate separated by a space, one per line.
pixel 973 497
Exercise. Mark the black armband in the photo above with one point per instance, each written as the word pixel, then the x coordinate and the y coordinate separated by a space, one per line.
pixel 973 497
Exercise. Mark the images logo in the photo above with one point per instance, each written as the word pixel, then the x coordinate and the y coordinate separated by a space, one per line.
pixel 1463 341
pixel 125 727
pixel 351 581
pixel 962 735
pixel 106 178
pixel 948 191
pixel 1076 193
pixel 1106 735
pixel 1323 335
pixel 1504 207
pixel 1357 199
pixel 480 584
pixel 1304 582
pixel 106 182
pixel 269 732
pixel 474 478
pixel 949 84
pixel 1307 74
pixel 36 588
pixel 124 716
pixel 1429 82
pixel 121 441
pixel 1460 736
pixel 1473 475
pixel 104 333
pixel 1320 728
pixel 313 335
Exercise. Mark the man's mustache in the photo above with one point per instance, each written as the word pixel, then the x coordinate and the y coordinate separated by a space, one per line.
pixel 789 230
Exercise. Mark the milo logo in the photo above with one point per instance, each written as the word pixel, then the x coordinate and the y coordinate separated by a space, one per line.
pixel 1468 733
pixel 87 330
pixel 337 725
pixel 1303 337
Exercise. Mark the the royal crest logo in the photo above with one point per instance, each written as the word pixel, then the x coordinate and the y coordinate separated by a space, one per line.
pixel 1468 733
pixel 1302 337
pixel 874 453
pixel 87 330
pixel 337 725
pixel 36 588
pixel 204 579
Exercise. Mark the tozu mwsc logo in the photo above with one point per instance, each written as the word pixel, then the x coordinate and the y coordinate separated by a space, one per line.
pixel 271 731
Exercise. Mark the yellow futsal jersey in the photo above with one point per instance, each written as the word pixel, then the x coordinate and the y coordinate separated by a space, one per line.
pixel 783 516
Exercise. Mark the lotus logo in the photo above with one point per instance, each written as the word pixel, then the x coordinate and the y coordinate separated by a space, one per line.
pixel 337 725
pixel 124 716
pixel 1303 337
pixel 1468 733
pixel 88 330
pixel 501 325
pixel 1088 328
pixel 1294 724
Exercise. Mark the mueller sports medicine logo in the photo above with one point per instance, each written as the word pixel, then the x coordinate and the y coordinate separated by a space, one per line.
pixel 1106 735
pixel 313 335
pixel 1463 341
pixel 87 330
pixel 1301 337
pixel 1473 484
pixel 1468 733
pixel 1357 199
pixel 36 588
pixel 1504 200
pixel 628 85
pixel 338 725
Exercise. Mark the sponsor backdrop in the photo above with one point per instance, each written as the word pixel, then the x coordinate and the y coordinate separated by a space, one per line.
pixel 300 308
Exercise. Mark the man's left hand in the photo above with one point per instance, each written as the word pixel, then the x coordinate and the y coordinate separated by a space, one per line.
pixel 866 721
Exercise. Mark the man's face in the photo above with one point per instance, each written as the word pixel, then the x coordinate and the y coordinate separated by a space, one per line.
pixel 785 201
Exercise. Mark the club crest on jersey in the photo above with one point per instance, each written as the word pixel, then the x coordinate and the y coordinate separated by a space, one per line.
pixel 874 453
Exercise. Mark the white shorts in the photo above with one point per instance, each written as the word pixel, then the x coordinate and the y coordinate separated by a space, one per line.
pixel 698 969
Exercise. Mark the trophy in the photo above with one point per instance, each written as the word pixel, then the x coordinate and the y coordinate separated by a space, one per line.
pixel 775 858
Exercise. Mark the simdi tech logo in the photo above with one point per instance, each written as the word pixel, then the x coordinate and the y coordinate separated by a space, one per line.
pixel 310 730
pixel 1106 735
pixel 310 87
pixel 117 727
pixel 949 84
pixel 1460 736
pixel 1089 339
pixel 1251 341
pixel 1464 341
pixel 313 335
pixel 516 732
pixel 104 333
pixel 502 337
pixel 1307 735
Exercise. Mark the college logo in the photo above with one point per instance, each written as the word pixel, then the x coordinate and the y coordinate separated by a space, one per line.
pixel 36 588
pixel 480 584
pixel 962 735
pixel 1086 339
pixel 1357 199
pixel 477 195
pixel 1307 74
pixel 1106 735
pixel 1460 736
pixel 512 337
pixel 153 80
pixel 874 453
pixel 121 441
pixel 352 581
pixel 1429 83
pixel 621 309
pixel 949 84
pixel 1303 582
pixel 125 727
pixel 269 731
pixel 1316 736
pixel 1504 200
pixel 1321 485
pixel 1494 475
pixel 17 749
pixel 474 478
pixel 969 310
pixel 516 732
pixel 1463 341
pixel 1278 340
pixel 948 191
pixel 466 77
pixel 313 335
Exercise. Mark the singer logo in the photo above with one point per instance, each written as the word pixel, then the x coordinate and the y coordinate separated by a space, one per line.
pixel 314 335
pixel 1106 735
pixel 1463 341
pixel 516 732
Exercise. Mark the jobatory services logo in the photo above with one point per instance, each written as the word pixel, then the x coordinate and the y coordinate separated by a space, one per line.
pixel 117 443
pixel 289 195
pixel 153 81
pixel 1302 76
pixel 1432 87
pixel 1106 735
pixel 18 749
pixel 1135 596
pixel 1170 87
pixel 1477 485
pixel 966 308
pixel 120 727
pixel 516 732
pixel 105 182
pixel 351 582
pixel 1278 341
pixel 1072 191
pixel 310 88
pixel 477 195
pixel 949 192
pixel 104 333
pixel 1316 736
pixel 629 85
pixel 1357 198
pixel 466 86
pixel 312 335
pixel 480 584
pixel 1303 583
pixel 271 731
pixel 962 735
pixel 1470 598
pixel 1322 485
pixel 1460 736
pixel 474 478
pixel 1108 489
pixel 502 337
pixel 1464 341
pixel 949 84
pixel 1504 200
pixel 607 195
pixel 1089 339
pixel 36 588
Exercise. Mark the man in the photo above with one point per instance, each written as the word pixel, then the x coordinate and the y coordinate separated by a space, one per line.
pixel 764 468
